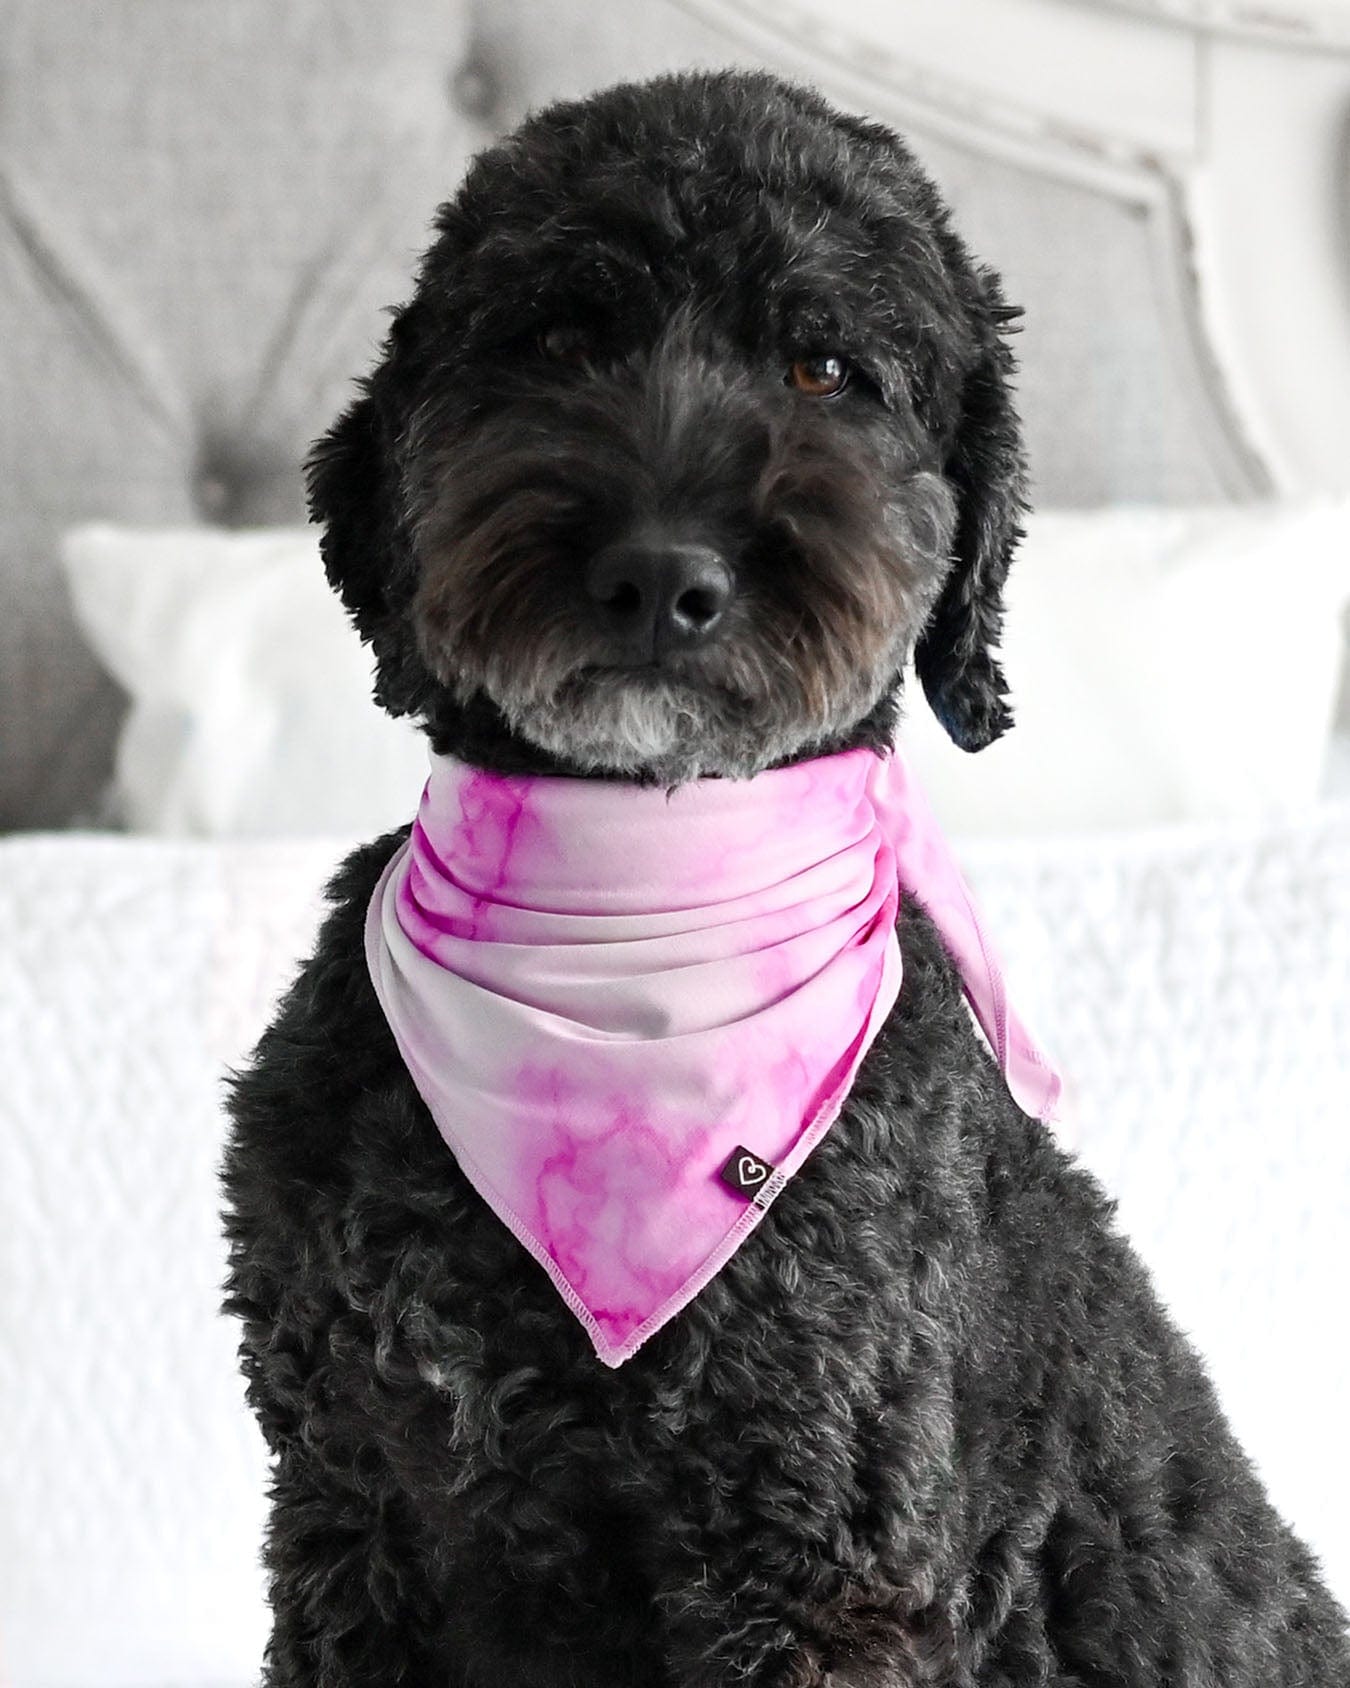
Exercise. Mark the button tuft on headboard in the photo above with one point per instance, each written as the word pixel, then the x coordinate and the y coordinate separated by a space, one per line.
pixel 213 497
pixel 474 89
pixel 247 485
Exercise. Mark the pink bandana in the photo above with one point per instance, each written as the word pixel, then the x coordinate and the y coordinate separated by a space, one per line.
pixel 633 1015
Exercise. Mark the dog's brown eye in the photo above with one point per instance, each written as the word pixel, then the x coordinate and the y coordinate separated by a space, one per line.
pixel 822 378
pixel 565 343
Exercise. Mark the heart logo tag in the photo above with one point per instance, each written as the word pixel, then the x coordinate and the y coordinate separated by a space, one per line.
pixel 745 1172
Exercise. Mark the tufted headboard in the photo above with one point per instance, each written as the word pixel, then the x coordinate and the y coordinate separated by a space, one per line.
pixel 204 204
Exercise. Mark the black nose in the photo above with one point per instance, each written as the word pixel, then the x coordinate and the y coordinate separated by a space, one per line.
pixel 656 597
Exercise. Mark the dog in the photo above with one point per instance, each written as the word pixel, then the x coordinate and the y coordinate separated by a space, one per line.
pixel 697 426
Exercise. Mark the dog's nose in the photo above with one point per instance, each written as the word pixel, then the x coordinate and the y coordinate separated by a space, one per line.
pixel 658 597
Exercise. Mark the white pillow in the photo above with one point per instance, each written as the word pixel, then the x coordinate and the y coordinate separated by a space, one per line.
pixel 251 708
pixel 1165 664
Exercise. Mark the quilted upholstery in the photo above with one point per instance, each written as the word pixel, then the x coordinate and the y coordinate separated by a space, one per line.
pixel 203 210
pixel 1191 985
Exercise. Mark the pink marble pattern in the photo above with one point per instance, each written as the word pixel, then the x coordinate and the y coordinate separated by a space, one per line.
pixel 601 991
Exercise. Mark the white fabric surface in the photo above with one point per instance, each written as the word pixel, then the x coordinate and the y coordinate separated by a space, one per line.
pixel 1165 664
pixel 131 1476
pixel 251 707
pixel 1193 984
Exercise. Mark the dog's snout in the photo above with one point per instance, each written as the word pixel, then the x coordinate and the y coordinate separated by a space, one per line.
pixel 656 596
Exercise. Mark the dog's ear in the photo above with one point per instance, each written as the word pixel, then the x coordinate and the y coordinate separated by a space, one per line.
pixel 984 464
pixel 347 475
pixel 954 657
pixel 355 494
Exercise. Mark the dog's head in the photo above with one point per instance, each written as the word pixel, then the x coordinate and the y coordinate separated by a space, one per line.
pixel 698 422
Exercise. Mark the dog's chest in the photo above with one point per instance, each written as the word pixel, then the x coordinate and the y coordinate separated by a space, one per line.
pixel 814 1314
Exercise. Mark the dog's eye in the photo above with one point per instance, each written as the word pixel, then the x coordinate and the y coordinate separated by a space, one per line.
pixel 565 343
pixel 821 378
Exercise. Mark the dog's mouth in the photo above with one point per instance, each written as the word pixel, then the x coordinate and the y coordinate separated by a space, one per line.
pixel 655 669
pixel 657 682
pixel 652 717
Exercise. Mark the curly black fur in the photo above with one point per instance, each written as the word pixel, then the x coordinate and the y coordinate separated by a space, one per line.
pixel 929 1424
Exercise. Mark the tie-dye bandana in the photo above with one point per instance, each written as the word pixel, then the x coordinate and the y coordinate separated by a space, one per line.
pixel 633 1014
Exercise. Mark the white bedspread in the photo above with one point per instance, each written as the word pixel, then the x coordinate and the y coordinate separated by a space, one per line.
pixel 1195 986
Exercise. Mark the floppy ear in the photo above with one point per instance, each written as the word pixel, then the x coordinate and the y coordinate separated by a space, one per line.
pixel 355 494
pixel 349 494
pixel 954 657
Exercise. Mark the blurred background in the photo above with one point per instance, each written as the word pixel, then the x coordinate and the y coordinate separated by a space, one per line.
pixel 204 207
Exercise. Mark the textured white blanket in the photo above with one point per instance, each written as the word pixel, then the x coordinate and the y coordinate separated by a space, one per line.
pixel 1194 986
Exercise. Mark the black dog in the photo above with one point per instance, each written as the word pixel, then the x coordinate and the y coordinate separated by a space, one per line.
pixel 698 419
